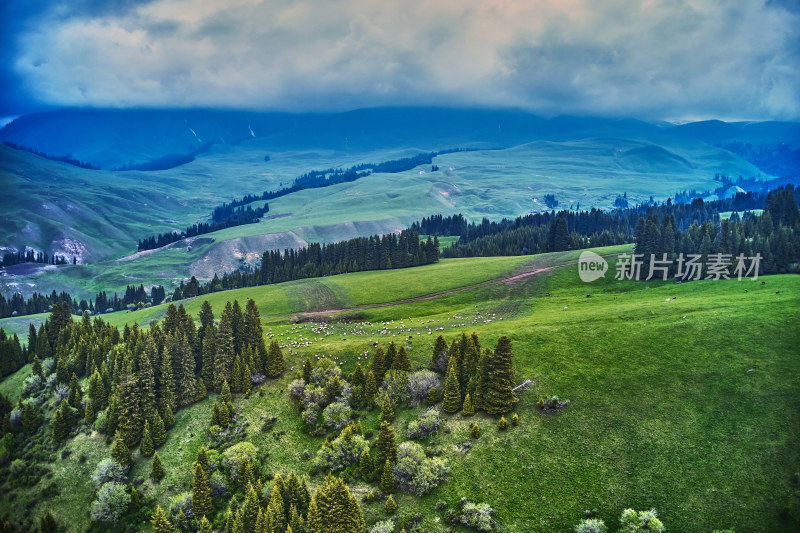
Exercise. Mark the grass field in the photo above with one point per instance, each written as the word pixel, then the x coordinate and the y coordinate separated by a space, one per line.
pixel 689 405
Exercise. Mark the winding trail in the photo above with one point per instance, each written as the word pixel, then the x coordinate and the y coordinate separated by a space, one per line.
pixel 433 296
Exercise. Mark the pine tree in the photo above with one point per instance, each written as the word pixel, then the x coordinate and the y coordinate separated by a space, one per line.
pixel 201 493
pixel 158 432
pixel 476 431
pixel 183 364
pixel 515 420
pixel 147 447
pixel 130 416
pixel 468 409
pixel 391 355
pixel 208 354
pixel 202 457
pixel 365 466
pixel 160 522
pixel 169 418
pixel 250 509
pixel 308 366
pixel 439 347
pixel 97 391
pixel 499 397
pixel 236 375
pixel 146 378
pixel 451 402
pixel 157 471
pixel 378 366
pixel 75 393
pixel 244 474
pixel 296 522
pixel 390 507
pixel 36 367
pixel 205 526
pixel 276 508
pixel 223 359
pixel 166 393
pixel 225 393
pixel 120 452
pixel 275 364
pixel 387 412
pixel 358 379
pixel 333 509
pixel 387 445
pixel 60 429
pixel 401 361
pixel 387 485
pixel 482 379
pixel 371 388
pixel 89 414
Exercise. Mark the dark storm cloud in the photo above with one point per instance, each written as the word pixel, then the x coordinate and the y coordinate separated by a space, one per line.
pixel 668 59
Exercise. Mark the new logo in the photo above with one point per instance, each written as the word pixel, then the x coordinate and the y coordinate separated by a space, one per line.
pixel 591 266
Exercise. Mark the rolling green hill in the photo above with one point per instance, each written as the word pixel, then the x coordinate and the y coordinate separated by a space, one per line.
pixel 683 397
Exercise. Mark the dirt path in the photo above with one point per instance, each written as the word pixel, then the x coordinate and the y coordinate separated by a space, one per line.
pixel 433 296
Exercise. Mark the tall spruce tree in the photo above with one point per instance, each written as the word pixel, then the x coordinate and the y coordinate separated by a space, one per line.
pixel 387 412
pixel 378 366
pixel 333 509
pixel 499 397
pixel 275 365
pixel 160 522
pixel 451 403
pixel 147 448
pixel 201 493
pixel 386 445
pixel 157 470
pixel 223 361
pixel 401 361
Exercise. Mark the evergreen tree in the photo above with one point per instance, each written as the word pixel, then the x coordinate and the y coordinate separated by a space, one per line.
pixel 482 378
pixel 205 526
pixel 89 414
pixel 358 379
pixel 250 509
pixel 296 522
pixel 244 474
pixel 157 471
pixel 75 393
pixel 275 365
pixel 499 397
pixel 130 415
pixel 439 347
pixel 401 361
pixel 451 402
pixel 391 354
pixel 36 367
pixel 365 466
pixel 208 355
pixel 333 509
pixel 146 377
pixel 30 418
pixel 202 458
pixel 386 445
pixel 378 367
pixel 169 418
pixel 166 396
pixel 387 485
pixel 160 522
pixel 158 432
pixel 60 429
pixel 146 448
pixel 97 391
pixel 276 508
pixel 201 493
pixel 183 365
pixel 223 360
pixel 390 507
pixel 371 388
pixel 308 366
pixel 468 409
pixel 387 412
pixel 120 452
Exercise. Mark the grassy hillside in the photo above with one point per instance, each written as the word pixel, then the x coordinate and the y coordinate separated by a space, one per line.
pixel 684 397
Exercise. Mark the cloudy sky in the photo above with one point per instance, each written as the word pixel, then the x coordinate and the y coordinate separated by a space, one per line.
pixel 668 59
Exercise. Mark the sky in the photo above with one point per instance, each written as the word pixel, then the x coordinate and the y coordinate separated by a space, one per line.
pixel 653 59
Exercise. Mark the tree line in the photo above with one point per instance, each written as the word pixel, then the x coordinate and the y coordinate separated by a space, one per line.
pixel 32 256
pixel 62 158
pixel 222 217
pixel 354 255
pixel 774 233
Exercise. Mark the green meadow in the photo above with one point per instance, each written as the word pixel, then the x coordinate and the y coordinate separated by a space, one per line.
pixel 684 397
